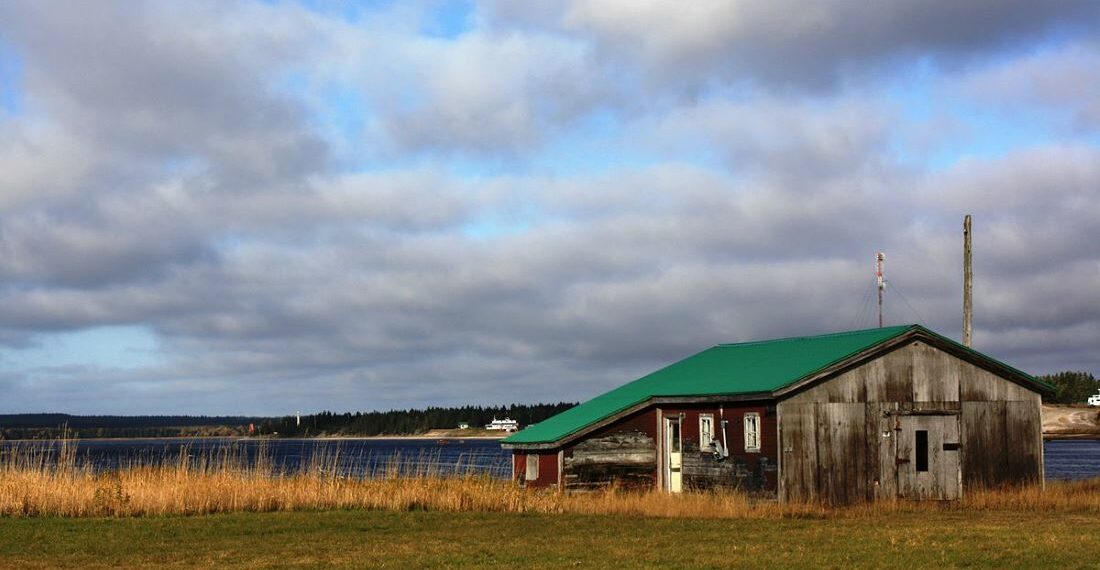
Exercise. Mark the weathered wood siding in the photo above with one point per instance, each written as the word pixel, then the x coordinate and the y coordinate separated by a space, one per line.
pixel 838 439
pixel 623 453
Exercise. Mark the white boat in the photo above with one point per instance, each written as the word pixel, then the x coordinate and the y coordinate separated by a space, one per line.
pixel 507 425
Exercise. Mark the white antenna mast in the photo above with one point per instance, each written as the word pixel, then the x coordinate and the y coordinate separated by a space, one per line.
pixel 880 260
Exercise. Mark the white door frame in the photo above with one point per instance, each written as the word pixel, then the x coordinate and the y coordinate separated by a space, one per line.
pixel 674 453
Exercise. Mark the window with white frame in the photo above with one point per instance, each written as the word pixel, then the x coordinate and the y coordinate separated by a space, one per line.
pixel 532 467
pixel 706 432
pixel 752 432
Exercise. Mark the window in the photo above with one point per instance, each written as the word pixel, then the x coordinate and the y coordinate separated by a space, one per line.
pixel 752 432
pixel 532 467
pixel 706 432
pixel 922 450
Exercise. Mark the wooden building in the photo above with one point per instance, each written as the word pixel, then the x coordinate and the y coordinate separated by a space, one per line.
pixel 896 412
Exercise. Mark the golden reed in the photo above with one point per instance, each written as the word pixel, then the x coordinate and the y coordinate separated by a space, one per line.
pixel 38 482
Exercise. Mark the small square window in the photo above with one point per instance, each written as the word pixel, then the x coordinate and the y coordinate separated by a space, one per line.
pixel 752 432
pixel 706 432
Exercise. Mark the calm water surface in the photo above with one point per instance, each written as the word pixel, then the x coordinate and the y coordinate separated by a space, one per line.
pixel 349 457
pixel 1065 459
pixel 1072 458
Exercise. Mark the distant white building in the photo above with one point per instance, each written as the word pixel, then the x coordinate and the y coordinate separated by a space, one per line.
pixel 504 425
pixel 1094 400
pixel 463 425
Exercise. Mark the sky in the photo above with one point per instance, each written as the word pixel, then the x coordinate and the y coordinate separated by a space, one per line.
pixel 235 207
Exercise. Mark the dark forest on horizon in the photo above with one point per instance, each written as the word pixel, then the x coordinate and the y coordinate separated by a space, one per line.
pixel 407 422
pixel 392 422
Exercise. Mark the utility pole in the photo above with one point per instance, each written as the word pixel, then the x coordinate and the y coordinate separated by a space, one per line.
pixel 880 260
pixel 968 278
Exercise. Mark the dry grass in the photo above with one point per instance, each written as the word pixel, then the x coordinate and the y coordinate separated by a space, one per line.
pixel 37 482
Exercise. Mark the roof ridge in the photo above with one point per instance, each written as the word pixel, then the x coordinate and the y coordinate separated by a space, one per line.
pixel 816 336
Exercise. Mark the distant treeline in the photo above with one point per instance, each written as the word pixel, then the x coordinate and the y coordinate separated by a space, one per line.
pixel 393 422
pixel 1073 387
pixel 49 426
pixel 407 422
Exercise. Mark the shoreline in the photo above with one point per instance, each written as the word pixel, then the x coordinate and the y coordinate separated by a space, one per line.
pixel 1064 436
pixel 247 438
pixel 419 437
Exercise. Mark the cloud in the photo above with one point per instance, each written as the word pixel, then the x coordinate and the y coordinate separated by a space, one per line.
pixel 1063 82
pixel 790 45
pixel 310 211
pixel 479 93
pixel 168 82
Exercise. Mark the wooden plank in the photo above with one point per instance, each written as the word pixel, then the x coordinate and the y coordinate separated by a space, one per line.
pixel 907 485
pixel 874 379
pixel 872 414
pixel 822 442
pixel 627 458
pixel 950 468
pixel 799 452
pixel 935 374
pixel 841 452
pixel 977 385
pixel 933 482
pixel 984 448
pixel 1024 463
pixel 888 453
pixel 898 372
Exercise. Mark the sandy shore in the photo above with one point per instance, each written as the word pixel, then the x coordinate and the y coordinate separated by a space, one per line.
pixel 411 437
pixel 1071 422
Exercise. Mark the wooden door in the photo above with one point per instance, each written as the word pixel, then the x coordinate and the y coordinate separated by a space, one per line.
pixel 674 455
pixel 928 457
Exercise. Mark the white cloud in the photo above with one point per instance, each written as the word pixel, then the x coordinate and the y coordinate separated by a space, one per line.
pixel 1063 82
pixel 193 171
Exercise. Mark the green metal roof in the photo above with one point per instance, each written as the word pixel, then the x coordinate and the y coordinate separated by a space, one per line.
pixel 726 369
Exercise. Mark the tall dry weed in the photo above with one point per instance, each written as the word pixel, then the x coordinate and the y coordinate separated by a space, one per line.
pixel 38 482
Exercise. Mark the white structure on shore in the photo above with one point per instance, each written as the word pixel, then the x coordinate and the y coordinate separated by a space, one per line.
pixel 504 425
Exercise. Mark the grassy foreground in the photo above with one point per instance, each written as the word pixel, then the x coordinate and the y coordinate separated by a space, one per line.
pixel 375 539
pixel 225 511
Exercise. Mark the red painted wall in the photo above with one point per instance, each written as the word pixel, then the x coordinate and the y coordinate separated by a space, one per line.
pixel 645 421
pixel 548 469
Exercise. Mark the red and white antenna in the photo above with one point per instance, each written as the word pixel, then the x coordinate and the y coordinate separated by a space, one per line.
pixel 880 260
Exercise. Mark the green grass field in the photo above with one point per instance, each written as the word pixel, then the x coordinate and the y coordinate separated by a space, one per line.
pixel 358 539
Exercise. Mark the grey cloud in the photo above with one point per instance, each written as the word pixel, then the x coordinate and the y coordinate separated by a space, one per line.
pixel 791 44
pixel 1036 206
pixel 1063 82
pixel 156 81
pixel 789 141
pixel 480 93
pixel 580 306
pixel 274 279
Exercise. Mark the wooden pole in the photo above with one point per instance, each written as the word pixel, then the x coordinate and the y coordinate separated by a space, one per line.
pixel 880 280
pixel 968 278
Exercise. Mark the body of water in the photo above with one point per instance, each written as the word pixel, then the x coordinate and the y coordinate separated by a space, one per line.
pixel 347 457
pixel 1065 459
pixel 1072 459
